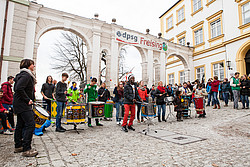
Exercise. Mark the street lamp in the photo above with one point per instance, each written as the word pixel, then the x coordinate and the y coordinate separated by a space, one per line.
pixel 229 65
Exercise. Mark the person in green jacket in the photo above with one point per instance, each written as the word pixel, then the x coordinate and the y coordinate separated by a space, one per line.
pixel 235 85
pixel 73 94
pixel 92 96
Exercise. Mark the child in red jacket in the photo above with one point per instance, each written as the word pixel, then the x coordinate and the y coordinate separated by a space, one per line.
pixel 3 116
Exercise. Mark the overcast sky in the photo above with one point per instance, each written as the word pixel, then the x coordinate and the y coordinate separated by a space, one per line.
pixel 133 14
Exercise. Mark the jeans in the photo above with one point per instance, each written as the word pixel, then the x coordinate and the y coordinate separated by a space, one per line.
pixel 225 97
pixel 10 115
pixel 117 106
pixel 24 130
pixel 210 96
pixel 236 94
pixel 245 100
pixel 59 110
pixel 163 108
pixel 215 98
pixel 153 97
pixel 129 107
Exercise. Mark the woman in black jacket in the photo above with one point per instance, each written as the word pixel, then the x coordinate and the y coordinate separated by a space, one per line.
pixel 118 99
pixel 103 93
pixel 245 92
pixel 160 95
pixel 22 101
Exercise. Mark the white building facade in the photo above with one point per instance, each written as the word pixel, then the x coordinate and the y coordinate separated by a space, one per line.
pixel 27 21
pixel 219 32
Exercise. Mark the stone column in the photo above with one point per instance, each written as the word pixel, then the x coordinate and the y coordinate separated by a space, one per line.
pixel 145 78
pixel 190 68
pixel 30 31
pixel 114 62
pixel 150 67
pixel 89 60
pixel 95 70
pixel 108 77
pixel 158 73
pixel 162 67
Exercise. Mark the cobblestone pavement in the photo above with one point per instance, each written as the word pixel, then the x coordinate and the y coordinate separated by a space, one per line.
pixel 227 144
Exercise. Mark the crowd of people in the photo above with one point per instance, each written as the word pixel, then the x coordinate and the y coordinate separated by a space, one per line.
pixel 129 94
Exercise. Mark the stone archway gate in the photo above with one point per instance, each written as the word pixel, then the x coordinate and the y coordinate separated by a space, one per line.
pixel 33 20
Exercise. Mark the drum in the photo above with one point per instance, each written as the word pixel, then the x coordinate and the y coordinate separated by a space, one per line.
pixel 53 109
pixel 40 115
pixel 75 113
pixel 199 105
pixel 169 99
pixel 96 109
pixel 148 110
pixel 108 110
pixel 185 102
pixel 122 112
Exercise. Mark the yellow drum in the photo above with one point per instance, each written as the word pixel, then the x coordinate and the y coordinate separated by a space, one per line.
pixel 40 116
pixel 53 109
pixel 75 113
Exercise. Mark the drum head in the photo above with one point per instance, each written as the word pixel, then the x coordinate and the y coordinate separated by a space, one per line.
pixel 42 111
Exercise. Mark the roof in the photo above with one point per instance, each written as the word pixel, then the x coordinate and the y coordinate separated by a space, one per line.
pixel 170 8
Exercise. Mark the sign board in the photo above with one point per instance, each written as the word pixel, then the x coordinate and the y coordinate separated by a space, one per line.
pixel 132 39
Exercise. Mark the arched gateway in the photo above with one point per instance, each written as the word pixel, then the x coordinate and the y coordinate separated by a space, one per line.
pixel 100 36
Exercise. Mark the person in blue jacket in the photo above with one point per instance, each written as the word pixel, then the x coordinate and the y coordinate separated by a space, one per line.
pixel 210 96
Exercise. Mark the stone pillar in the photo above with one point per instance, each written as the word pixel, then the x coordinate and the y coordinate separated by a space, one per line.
pixel 190 68
pixel 108 59
pixel 114 62
pixel 162 67
pixel 36 45
pixel 89 60
pixel 95 70
pixel 31 31
pixel 150 67
pixel 145 78
pixel 158 73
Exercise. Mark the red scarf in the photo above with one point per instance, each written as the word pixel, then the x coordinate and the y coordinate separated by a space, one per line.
pixel 161 89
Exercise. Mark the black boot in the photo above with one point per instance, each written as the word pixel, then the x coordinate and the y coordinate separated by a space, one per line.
pixel 124 128
pixel 131 128
pixel 163 118
pixel 159 118
pixel 98 123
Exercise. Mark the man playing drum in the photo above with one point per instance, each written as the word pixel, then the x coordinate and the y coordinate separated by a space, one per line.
pixel 130 97
pixel 92 96
pixel 73 94
pixel 61 92
pixel 22 101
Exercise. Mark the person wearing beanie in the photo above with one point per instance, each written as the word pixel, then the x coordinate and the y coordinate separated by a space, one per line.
pixel 131 95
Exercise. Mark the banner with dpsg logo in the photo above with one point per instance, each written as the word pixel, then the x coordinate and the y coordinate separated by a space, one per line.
pixel 132 39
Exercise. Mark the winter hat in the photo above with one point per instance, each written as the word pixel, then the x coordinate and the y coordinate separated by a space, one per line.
pixel 130 76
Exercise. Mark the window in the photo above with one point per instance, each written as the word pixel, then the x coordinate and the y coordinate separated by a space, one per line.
pixel 170 22
pixel 196 5
pixel 171 79
pixel 182 77
pixel 200 73
pixel 181 14
pixel 218 70
pixel 246 13
pixel 198 36
pixel 182 41
pixel 215 28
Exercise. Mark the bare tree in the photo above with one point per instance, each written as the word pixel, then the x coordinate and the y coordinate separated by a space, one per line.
pixel 70 56
pixel 123 69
